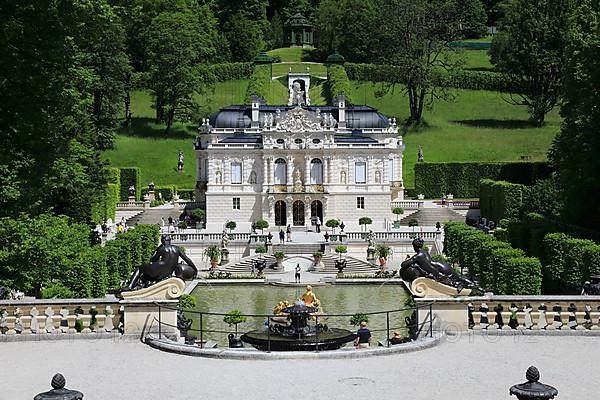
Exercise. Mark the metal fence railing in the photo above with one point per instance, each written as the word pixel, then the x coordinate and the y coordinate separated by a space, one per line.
pixel 404 319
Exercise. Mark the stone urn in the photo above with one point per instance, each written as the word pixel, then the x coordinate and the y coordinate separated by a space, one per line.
pixel 260 266
pixel 340 265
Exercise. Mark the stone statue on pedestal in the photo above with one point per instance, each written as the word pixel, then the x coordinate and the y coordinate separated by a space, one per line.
pixel 163 264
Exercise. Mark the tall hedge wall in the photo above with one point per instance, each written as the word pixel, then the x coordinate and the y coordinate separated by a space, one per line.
pixel 130 176
pixel 472 80
pixel 500 199
pixel 337 84
pixel 167 192
pixel 232 71
pixel 496 265
pixel 462 179
pixel 259 83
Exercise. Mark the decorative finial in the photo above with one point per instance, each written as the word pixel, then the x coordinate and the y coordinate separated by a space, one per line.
pixel 58 381
pixel 532 374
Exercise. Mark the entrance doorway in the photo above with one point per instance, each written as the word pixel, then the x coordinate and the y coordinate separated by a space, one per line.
pixel 280 213
pixel 298 213
pixel 316 210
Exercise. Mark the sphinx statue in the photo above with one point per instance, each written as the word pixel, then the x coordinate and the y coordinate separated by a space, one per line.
pixel 422 265
pixel 164 263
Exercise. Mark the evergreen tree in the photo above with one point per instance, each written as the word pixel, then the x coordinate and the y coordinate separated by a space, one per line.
pixel 472 18
pixel 574 153
pixel 277 37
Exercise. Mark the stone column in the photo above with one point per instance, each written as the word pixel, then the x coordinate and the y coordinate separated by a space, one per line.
pixel 290 170
pixel 307 201
pixel 398 168
pixel 327 172
pixel 385 179
pixel 271 167
pixel 306 170
pixel 369 171
pixel 265 177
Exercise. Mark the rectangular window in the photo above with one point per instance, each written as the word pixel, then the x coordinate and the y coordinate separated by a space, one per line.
pixel 391 169
pixel 236 172
pixel 360 172
pixel 236 203
pixel 360 202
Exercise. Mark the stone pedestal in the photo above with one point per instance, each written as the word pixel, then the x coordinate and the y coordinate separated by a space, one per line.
pixel 425 287
pixel 370 254
pixel 151 195
pixel 131 200
pixel 224 256
pixel 144 315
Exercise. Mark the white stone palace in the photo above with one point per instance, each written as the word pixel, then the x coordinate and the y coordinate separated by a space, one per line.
pixel 290 163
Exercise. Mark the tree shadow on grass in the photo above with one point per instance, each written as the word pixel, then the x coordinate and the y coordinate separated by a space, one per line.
pixel 147 128
pixel 496 123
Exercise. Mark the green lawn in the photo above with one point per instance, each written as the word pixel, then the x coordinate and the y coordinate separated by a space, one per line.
pixel 476 126
pixel 314 68
pixel 291 54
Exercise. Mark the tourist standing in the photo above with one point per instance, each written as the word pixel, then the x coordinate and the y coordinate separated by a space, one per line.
pixel 297 275
pixel 281 236
pixel 289 233
pixel 363 336
pixel 318 224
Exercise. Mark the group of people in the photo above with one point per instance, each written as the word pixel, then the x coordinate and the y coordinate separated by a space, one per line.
pixel 285 236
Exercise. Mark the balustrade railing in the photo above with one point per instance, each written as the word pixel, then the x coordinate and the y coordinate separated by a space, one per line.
pixel 394 235
pixel 58 317
pixel 521 312
pixel 407 204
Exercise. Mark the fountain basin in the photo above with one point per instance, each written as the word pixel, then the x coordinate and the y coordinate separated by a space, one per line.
pixel 332 339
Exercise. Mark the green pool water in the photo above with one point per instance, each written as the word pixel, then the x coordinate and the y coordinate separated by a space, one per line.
pixel 335 299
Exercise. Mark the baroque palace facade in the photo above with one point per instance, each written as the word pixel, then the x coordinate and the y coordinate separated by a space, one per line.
pixel 291 163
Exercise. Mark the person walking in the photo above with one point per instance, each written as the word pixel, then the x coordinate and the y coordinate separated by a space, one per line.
pixel 363 336
pixel 289 233
pixel 318 225
pixel 297 275
pixel 281 236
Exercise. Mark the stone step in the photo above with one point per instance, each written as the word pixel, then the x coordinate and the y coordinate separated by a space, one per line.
pixel 430 216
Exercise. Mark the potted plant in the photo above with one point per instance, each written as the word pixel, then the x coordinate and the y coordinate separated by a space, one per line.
pixel 279 257
pixel 234 317
pixel 340 264
pixel 383 251
pixel 213 252
pixel 260 264
pixel 332 223
pixel 398 211
pixel 197 214
pixel 231 225
pixel 412 223
pixel 357 318
pixel 365 221
pixel 262 225
pixel 317 257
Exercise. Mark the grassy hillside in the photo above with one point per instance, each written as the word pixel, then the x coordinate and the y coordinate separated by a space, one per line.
pixel 475 126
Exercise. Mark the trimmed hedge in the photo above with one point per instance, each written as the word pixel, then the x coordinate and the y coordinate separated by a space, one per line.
pixel 498 266
pixel 186 194
pixel 130 176
pixel 232 71
pixel 96 262
pixel 462 179
pixel 337 84
pixel 471 80
pixel 167 192
pixel 500 199
pixel 259 83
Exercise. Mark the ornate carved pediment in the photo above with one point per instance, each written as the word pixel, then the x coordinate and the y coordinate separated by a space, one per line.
pixel 299 120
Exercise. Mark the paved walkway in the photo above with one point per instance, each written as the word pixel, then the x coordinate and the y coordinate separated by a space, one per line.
pixel 469 368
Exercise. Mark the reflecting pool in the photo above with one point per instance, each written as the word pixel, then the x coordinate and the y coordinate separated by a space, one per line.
pixel 335 299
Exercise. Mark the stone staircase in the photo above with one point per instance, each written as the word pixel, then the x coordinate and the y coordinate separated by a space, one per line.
pixel 353 265
pixel 429 216
pixel 153 216
pixel 244 266
pixel 291 248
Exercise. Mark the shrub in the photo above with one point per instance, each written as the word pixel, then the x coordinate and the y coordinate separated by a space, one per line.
pixel 332 223
pixel 56 291
pixel 574 266
pixel 167 192
pixel 260 250
pixel 149 236
pixel 357 318
pixel 260 83
pixel 198 214
pixel 337 84
pixel 262 225
pixel 397 211
pixel 341 250
pixel 413 222
pixel 525 276
pixel 232 71
pixel 130 176
pixel 234 317
pixel 499 275
pixel 279 254
pixel 591 261
pixel 554 264
pixel 501 199
pixel 187 302
pixel 365 221
pixel 186 194
pixel 231 225
pixel 212 252
pixel 462 179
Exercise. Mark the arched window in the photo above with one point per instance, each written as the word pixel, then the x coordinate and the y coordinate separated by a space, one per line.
pixel 280 172
pixel 316 171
